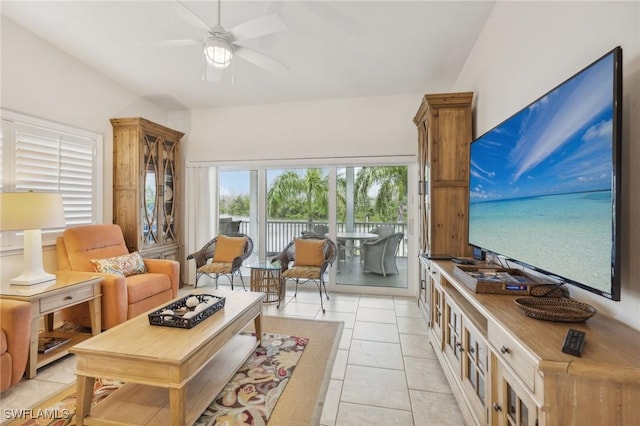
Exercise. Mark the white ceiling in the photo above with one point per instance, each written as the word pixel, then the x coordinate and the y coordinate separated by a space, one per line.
pixel 333 49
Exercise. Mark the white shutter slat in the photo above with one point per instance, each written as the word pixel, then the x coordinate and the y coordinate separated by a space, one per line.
pixel 47 160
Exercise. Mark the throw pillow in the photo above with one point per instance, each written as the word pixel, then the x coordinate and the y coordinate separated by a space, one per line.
pixel 309 252
pixel 228 248
pixel 127 264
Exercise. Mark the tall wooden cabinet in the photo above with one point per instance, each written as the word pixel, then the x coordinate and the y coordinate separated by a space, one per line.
pixel 146 190
pixel 444 135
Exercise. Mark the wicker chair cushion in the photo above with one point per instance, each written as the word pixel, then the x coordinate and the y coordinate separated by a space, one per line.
pixel 309 252
pixel 310 272
pixel 216 268
pixel 128 264
pixel 228 248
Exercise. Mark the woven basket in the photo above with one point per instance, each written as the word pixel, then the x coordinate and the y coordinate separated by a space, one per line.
pixel 555 309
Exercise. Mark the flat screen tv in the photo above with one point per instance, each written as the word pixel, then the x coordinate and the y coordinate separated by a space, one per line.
pixel 544 188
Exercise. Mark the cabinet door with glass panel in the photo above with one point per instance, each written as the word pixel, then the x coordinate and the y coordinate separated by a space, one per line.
pixel 475 370
pixel 511 404
pixel 159 207
pixel 468 354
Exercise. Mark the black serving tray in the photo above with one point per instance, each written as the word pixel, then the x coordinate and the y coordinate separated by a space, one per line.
pixel 179 307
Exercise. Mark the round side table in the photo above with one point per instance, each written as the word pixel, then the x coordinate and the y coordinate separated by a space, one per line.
pixel 266 278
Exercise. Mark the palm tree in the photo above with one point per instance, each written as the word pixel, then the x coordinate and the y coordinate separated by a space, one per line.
pixel 309 190
pixel 391 200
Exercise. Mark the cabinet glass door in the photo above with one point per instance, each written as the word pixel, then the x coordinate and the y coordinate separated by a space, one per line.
pixel 453 334
pixel 437 318
pixel 474 375
pixel 151 172
pixel 168 153
pixel 512 405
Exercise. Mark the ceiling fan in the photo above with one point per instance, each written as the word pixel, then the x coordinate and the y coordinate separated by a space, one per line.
pixel 220 46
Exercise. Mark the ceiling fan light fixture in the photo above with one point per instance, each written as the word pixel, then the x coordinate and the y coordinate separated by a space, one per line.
pixel 218 52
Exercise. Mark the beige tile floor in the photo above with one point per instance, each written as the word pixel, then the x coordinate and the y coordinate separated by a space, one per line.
pixel 385 372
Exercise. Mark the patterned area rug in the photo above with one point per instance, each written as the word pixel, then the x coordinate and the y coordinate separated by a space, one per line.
pixel 252 394
pixel 248 399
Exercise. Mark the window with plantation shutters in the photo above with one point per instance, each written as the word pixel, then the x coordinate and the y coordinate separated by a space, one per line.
pixel 49 157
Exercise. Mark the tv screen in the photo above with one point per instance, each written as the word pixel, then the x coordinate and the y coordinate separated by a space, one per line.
pixel 544 186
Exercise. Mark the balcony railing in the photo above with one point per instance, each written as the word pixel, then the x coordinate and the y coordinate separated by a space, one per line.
pixel 280 232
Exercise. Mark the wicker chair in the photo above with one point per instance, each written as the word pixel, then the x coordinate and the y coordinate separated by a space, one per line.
pixel 318 231
pixel 307 273
pixel 321 231
pixel 381 231
pixel 214 268
pixel 380 255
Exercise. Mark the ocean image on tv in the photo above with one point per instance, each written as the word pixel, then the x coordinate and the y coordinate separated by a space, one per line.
pixel 541 182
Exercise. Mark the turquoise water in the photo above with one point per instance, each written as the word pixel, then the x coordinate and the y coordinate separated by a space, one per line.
pixel 568 234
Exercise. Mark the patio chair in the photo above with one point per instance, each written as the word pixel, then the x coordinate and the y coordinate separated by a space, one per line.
pixel 380 255
pixel 381 231
pixel 306 260
pixel 320 231
pixel 223 256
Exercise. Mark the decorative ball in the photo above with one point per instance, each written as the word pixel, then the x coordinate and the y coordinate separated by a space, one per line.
pixel 200 307
pixel 192 302
pixel 189 314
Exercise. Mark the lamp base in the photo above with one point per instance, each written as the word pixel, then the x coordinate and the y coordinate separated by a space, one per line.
pixel 32 278
pixel 33 272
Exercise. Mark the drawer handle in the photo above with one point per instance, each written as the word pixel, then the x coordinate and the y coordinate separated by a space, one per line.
pixel 459 346
pixel 505 350
pixel 68 297
pixel 471 350
pixel 496 407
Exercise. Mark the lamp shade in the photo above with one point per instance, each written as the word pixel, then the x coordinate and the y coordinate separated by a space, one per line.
pixel 31 210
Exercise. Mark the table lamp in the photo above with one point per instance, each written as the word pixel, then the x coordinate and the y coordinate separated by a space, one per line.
pixel 30 212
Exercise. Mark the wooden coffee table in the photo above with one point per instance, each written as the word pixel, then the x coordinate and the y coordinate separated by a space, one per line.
pixel 193 364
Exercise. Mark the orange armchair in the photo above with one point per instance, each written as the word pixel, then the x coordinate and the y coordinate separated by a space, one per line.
pixel 15 324
pixel 122 297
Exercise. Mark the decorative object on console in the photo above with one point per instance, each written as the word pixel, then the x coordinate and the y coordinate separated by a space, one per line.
pixel 31 212
pixel 496 280
pixel 555 309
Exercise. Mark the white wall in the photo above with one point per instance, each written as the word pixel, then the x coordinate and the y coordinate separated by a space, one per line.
pixel 526 49
pixel 41 80
pixel 319 129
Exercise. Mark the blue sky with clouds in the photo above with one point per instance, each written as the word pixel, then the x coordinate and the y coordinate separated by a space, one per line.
pixel 559 144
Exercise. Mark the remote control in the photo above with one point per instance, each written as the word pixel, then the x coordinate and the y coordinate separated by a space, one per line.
pixel 573 342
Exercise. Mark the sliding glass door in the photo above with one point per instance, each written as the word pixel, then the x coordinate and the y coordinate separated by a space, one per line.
pixel 297 202
pixel 238 203
pixel 371 225
pixel 364 207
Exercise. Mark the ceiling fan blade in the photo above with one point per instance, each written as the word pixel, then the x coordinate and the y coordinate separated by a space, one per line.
pixel 176 43
pixel 259 59
pixel 262 26
pixel 191 17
